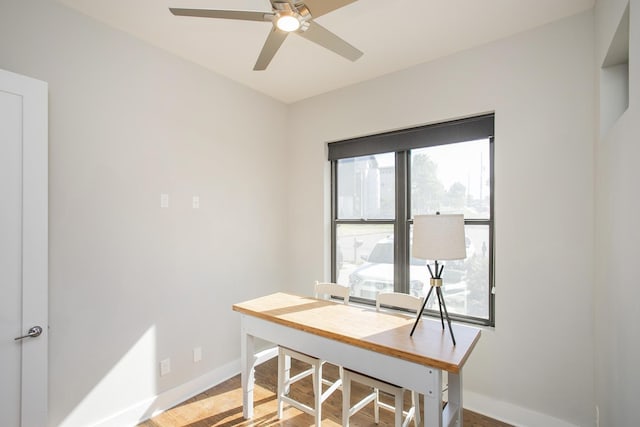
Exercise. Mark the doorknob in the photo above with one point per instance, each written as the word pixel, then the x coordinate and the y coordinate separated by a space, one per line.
pixel 33 332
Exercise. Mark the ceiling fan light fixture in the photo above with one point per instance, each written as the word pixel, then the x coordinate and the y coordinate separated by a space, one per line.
pixel 287 21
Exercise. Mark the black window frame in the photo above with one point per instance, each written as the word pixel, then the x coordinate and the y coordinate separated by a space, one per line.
pixel 401 142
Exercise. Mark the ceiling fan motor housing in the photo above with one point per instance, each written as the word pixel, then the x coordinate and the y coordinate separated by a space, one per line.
pixel 298 11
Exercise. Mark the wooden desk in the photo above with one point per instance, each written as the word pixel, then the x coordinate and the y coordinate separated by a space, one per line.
pixel 362 339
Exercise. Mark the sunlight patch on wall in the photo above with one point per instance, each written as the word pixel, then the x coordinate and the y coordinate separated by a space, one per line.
pixel 132 379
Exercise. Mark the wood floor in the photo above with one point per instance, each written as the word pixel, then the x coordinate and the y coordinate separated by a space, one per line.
pixel 222 406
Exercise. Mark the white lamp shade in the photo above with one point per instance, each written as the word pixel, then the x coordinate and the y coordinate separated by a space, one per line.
pixel 439 237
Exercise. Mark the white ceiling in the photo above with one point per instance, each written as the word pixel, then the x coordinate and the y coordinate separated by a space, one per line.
pixel 393 34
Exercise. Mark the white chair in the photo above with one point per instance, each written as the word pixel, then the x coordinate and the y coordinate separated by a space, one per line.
pixel 391 300
pixel 325 291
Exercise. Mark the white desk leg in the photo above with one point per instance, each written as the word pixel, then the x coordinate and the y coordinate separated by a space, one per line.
pixel 433 399
pixel 455 396
pixel 247 351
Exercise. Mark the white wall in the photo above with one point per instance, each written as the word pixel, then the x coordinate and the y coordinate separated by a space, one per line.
pixel 130 283
pixel 541 86
pixel 618 202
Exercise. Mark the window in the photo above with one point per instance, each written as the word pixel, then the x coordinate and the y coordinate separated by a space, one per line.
pixel 380 182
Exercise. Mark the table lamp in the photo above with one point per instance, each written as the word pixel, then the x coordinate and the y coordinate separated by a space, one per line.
pixel 438 237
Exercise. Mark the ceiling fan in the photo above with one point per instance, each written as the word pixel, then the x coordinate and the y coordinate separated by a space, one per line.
pixel 287 16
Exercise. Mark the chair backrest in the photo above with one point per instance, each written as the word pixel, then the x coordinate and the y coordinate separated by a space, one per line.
pixel 328 290
pixel 399 300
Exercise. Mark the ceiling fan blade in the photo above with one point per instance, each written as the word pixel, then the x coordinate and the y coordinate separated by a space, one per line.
pixel 271 46
pixel 321 7
pixel 224 14
pixel 325 38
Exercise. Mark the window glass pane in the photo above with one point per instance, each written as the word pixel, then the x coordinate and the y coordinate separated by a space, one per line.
pixel 451 178
pixel 366 187
pixel 365 258
pixel 465 283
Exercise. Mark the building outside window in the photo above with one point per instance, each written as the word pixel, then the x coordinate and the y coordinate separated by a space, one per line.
pixel 380 182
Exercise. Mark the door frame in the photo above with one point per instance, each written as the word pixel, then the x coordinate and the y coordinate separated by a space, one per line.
pixel 35 250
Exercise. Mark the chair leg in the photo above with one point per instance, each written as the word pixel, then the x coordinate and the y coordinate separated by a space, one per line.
pixel 317 387
pixel 376 406
pixel 346 400
pixel 284 375
pixel 287 374
pixel 281 374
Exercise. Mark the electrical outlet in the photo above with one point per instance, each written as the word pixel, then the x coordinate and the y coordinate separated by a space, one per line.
pixel 197 354
pixel 196 202
pixel 165 367
pixel 164 200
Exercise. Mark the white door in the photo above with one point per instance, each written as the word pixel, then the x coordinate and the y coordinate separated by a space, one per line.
pixel 23 250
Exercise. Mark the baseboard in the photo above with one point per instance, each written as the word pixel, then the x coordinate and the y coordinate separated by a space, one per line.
pixel 508 412
pixel 153 406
